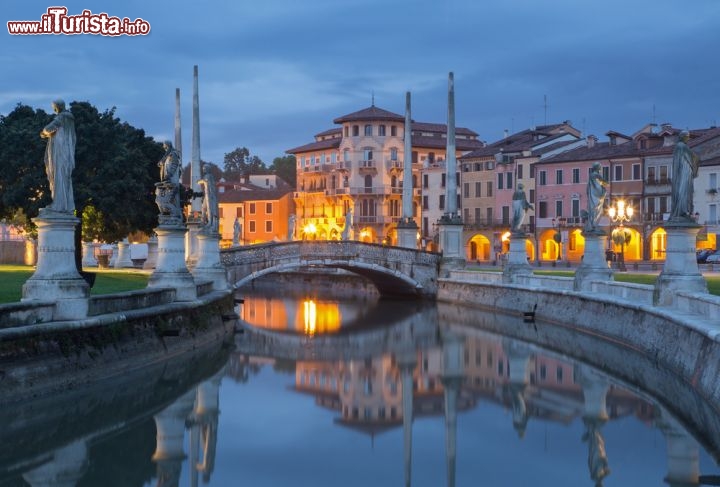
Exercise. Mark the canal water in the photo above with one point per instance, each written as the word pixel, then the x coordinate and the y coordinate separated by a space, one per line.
pixel 320 392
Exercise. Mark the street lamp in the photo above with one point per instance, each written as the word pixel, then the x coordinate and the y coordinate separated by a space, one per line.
pixel 557 236
pixel 621 213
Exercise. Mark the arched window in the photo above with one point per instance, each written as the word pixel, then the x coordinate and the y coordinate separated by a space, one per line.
pixel 368 130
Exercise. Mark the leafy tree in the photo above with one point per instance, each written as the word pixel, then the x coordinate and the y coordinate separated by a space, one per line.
pixel 115 170
pixel 23 184
pixel 284 167
pixel 239 162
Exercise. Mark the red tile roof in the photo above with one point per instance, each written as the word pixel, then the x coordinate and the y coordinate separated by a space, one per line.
pixel 319 145
pixel 370 114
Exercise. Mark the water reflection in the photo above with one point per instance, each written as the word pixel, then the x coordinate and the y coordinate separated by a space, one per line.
pixel 419 391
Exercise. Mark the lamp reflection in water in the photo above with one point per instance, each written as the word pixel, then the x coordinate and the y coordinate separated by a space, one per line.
pixel 320 317
pixel 621 213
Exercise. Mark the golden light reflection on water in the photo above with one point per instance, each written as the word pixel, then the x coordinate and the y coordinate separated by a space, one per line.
pixel 309 316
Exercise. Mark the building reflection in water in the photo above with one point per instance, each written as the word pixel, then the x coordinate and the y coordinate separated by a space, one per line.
pixel 370 395
pixel 312 317
pixel 420 374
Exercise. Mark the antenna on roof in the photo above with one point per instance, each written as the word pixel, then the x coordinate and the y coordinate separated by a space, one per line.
pixel 545 105
pixel 653 119
pixel 373 98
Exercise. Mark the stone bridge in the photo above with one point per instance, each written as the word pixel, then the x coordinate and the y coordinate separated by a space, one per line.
pixel 395 271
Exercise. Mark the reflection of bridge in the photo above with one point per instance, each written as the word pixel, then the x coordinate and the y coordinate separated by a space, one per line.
pixel 395 271
pixel 415 331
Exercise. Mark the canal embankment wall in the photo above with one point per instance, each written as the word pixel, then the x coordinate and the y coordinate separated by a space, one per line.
pixel 683 339
pixel 123 332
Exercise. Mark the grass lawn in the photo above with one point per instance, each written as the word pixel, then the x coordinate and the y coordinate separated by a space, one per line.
pixel 106 281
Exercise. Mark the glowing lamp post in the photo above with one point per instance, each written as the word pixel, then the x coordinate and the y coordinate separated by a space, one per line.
pixel 621 213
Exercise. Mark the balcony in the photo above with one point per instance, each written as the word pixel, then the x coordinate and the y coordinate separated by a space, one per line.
pixel 343 166
pixel 393 165
pixel 657 182
pixel 368 166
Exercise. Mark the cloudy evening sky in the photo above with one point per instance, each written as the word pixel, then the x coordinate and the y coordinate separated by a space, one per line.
pixel 275 72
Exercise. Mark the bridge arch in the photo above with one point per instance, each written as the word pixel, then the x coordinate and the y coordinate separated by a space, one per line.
pixel 395 271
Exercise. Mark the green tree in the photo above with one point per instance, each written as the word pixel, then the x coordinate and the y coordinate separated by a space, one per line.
pixel 284 167
pixel 23 184
pixel 115 169
pixel 239 162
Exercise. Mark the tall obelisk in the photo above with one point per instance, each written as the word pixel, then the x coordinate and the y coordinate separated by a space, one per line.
pixel 450 224
pixel 193 221
pixel 178 132
pixel 407 229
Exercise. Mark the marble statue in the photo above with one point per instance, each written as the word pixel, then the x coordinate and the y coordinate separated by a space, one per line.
pixel 60 157
pixel 520 206
pixel 167 191
pixel 348 225
pixel 684 171
pixel 291 228
pixel 596 192
pixel 209 215
pixel 170 167
pixel 236 232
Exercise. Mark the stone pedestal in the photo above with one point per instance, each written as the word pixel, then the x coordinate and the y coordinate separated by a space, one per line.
pixel 191 241
pixel 88 254
pixel 152 255
pixel 680 271
pixel 56 278
pixel 123 259
pixel 517 263
pixel 171 271
pixel 593 267
pixel 113 255
pixel 451 244
pixel 407 234
pixel 208 266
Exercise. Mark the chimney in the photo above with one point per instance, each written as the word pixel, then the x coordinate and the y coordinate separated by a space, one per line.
pixel 591 139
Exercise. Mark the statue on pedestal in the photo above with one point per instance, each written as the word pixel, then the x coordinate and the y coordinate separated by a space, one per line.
pixel 210 211
pixel 520 206
pixel 60 158
pixel 291 228
pixel 684 171
pixel 596 192
pixel 236 232
pixel 167 191
pixel 348 225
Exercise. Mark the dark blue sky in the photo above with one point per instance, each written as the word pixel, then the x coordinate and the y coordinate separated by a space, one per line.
pixel 275 72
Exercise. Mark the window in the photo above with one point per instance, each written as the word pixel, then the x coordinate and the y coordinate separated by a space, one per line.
pixel 489 189
pixel 489 215
pixel 466 190
pixel 508 180
pixel 425 203
pixel 501 180
pixel 252 208
pixel 713 181
pixel 441 202
pixel 559 375
pixel 532 171
pixel 426 224
pixel 543 178
pixel 636 171
pixel 478 166
pixel 367 155
pixel 442 180
pixel 606 173
pixel 252 226
pixel 651 174
pixel 651 205
pixel 506 215
pixel 425 181
pixel 393 131
pixel 268 226
pixel 558 176
pixel 618 173
pixel 531 196
pixel 542 209
pixel 558 208
pixel 664 174
pixel 543 372
pixel 712 214
pixel 356 130
pixel 381 130
pixel 347 131
pixel 346 155
pixel 575 207
pixel 478 189
pixel 268 208
pixel 414 157
pixel 333 157
pixel 489 165
pixel 663 204
pixel 478 215
pixel 368 129
pixel 576 175
pixel 393 152
pixel 238 212
pixel 520 171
